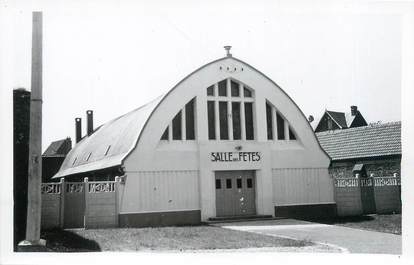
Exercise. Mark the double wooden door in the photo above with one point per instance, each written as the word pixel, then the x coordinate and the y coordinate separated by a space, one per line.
pixel 235 193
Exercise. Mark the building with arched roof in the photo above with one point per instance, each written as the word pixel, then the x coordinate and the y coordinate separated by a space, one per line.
pixel 225 141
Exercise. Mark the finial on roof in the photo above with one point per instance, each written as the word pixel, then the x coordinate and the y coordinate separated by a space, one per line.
pixel 227 48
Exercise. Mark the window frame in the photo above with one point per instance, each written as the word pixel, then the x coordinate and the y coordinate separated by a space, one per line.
pixel 231 98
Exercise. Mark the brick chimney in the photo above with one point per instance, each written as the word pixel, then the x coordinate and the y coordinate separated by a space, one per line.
pixel 354 110
pixel 89 120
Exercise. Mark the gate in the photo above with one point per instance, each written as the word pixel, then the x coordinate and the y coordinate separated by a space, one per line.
pixel 74 205
pixel 367 196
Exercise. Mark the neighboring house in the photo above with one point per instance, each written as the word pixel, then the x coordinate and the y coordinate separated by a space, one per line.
pixel 53 158
pixel 332 120
pixel 373 149
pixel 226 141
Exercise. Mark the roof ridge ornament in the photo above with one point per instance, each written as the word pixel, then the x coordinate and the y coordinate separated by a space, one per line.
pixel 227 48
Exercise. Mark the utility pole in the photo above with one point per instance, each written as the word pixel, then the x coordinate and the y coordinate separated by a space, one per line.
pixel 35 139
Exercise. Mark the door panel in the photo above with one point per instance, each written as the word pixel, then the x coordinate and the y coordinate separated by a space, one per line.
pixel 235 193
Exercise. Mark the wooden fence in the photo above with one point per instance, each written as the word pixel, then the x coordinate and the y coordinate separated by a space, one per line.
pixel 357 196
pixel 80 204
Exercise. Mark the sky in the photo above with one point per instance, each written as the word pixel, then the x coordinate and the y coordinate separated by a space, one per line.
pixel 114 56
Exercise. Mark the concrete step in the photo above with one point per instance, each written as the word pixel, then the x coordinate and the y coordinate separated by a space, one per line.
pixel 243 218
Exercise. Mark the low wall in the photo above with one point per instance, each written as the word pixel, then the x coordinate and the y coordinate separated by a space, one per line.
pixel 367 195
pixel 80 204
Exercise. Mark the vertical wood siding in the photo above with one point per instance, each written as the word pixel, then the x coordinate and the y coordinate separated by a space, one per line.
pixel 152 191
pixel 302 186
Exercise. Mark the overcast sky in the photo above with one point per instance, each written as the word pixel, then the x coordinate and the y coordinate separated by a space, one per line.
pixel 112 57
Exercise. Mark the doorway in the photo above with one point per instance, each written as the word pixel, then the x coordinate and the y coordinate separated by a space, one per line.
pixel 235 193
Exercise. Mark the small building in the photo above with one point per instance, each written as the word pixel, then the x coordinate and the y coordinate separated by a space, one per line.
pixel 53 158
pixel 226 141
pixel 333 120
pixel 369 150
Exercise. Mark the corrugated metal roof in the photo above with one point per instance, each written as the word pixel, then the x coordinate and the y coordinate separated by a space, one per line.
pixel 108 144
pixel 361 142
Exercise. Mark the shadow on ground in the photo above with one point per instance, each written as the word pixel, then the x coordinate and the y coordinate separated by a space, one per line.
pixel 340 220
pixel 58 240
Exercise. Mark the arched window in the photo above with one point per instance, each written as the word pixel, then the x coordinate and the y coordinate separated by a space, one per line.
pixel 182 126
pixel 230 111
pixel 278 128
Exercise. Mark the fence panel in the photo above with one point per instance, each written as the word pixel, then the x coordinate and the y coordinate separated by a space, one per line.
pixel 80 204
pixel 51 193
pixel 388 194
pixel 101 204
pixel 348 197
pixel 355 196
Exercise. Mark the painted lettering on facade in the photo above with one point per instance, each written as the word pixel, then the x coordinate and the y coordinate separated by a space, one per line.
pixel 235 156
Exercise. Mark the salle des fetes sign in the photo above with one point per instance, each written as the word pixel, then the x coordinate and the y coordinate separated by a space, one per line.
pixel 235 156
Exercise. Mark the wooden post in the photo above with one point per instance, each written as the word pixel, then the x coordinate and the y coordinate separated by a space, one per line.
pixel 86 193
pixel 117 181
pixel 62 202
pixel 34 199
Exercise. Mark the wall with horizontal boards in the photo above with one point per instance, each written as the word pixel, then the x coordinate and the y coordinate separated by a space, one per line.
pixel 294 186
pixel 160 191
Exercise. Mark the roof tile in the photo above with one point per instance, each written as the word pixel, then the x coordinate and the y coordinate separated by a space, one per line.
pixel 367 141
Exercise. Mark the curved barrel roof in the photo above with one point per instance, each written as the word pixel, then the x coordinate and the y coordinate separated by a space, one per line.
pixel 108 144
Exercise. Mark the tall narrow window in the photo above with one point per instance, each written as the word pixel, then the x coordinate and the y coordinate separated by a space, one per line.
pixel 230 116
pixel 235 108
pixel 210 90
pixel 211 120
pixel 248 113
pixel 189 120
pixel 176 127
pixel 247 93
pixel 235 90
pixel 224 131
pixel 269 122
pixel 182 126
pixel 165 135
pixel 222 88
pixel 291 134
pixel 280 127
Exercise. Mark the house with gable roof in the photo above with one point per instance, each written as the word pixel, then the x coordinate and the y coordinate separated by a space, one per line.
pixel 333 120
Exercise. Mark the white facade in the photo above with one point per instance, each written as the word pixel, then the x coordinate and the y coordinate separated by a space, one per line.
pixel 178 175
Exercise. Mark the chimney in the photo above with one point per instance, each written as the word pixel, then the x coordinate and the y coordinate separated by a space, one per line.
pixel 89 121
pixel 78 126
pixel 68 145
pixel 354 110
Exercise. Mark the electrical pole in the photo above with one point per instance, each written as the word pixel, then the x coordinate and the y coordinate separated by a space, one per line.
pixel 35 139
